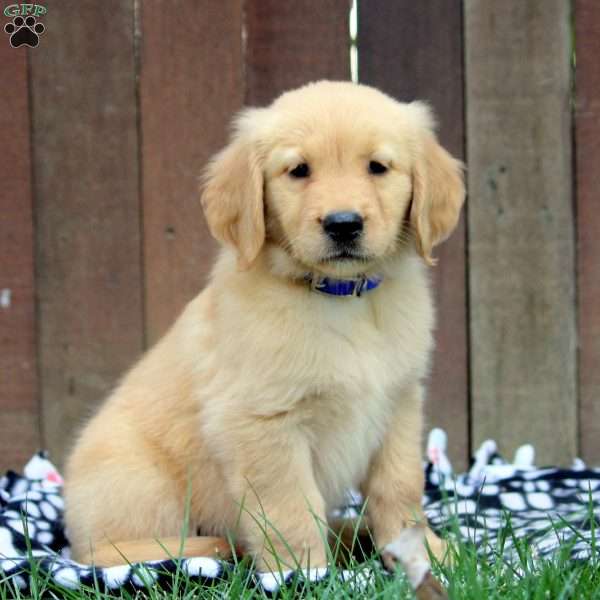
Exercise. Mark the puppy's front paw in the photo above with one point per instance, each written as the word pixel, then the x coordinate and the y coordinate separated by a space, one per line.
pixel 408 550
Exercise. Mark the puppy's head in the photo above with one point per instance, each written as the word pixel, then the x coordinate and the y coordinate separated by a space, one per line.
pixel 333 177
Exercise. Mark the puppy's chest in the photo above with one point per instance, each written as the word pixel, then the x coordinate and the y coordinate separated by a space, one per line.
pixel 365 356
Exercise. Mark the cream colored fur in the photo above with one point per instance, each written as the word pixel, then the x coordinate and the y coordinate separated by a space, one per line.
pixel 267 399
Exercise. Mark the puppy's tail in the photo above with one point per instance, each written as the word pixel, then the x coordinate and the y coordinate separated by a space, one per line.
pixel 112 554
pixel 119 553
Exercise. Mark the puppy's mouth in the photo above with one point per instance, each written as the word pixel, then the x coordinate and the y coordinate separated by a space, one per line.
pixel 345 255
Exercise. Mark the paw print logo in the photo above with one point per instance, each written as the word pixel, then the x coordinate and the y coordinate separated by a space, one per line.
pixel 24 32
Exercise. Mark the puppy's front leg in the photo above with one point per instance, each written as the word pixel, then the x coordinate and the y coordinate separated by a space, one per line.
pixel 282 513
pixel 394 490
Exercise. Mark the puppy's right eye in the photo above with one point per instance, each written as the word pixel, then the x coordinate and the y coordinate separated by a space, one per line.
pixel 302 170
pixel 376 168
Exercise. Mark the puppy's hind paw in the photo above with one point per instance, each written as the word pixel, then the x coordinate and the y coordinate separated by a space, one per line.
pixel 408 550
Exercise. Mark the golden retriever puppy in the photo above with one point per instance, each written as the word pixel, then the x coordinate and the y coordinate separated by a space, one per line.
pixel 297 373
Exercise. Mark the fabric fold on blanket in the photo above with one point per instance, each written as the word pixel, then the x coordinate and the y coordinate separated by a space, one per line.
pixel 548 508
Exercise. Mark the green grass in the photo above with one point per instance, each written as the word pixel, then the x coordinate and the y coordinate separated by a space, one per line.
pixel 470 577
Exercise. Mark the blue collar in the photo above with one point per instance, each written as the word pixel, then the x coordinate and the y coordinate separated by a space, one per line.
pixel 342 287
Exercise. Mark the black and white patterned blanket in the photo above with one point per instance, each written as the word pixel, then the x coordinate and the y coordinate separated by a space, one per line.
pixel 549 508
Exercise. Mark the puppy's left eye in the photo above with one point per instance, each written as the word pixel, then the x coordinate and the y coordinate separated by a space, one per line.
pixel 376 168
pixel 300 171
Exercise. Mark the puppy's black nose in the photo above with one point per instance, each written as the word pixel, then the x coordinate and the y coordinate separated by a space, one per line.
pixel 343 226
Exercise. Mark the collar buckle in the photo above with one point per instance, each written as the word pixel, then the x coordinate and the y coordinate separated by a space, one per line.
pixel 359 286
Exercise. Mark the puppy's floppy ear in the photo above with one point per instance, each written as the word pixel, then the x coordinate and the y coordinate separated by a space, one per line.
pixel 232 197
pixel 438 190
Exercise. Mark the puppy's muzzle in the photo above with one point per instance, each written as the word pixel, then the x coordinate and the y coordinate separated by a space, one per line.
pixel 343 227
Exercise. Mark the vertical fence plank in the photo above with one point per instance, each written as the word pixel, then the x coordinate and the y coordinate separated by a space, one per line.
pixel 521 247
pixel 292 43
pixel 191 84
pixel 87 203
pixel 587 136
pixel 19 420
pixel 413 50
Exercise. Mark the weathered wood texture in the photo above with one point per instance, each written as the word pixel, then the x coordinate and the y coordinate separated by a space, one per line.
pixel 191 83
pixel 120 244
pixel 587 137
pixel 292 43
pixel 413 50
pixel 521 247
pixel 19 418
pixel 87 209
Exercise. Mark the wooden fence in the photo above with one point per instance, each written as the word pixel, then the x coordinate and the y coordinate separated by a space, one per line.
pixel 105 126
